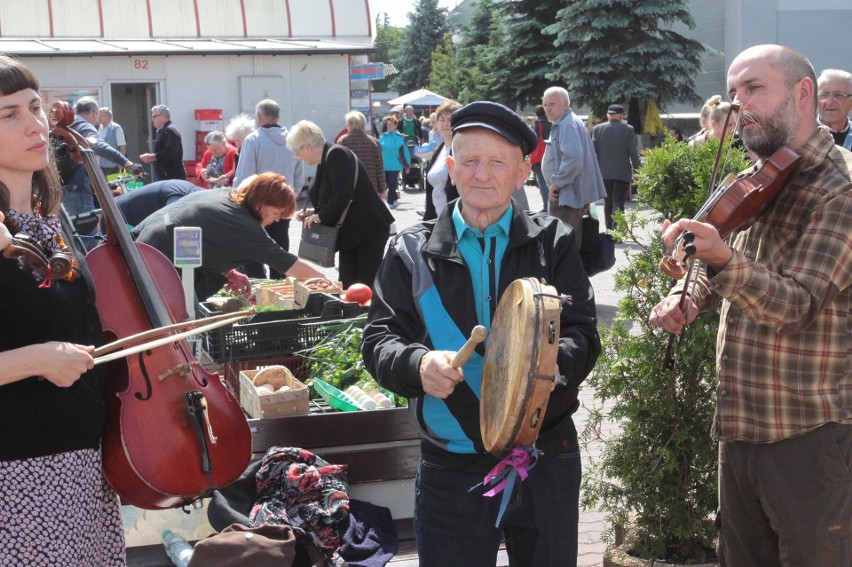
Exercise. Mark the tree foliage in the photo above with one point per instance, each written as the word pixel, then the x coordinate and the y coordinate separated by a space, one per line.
pixel 529 54
pixel 445 76
pixel 413 57
pixel 388 39
pixel 617 50
pixel 658 473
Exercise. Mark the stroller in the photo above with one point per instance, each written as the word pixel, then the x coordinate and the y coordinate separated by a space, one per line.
pixel 415 179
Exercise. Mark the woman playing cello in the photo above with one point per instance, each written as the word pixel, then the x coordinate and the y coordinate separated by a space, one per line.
pixel 55 506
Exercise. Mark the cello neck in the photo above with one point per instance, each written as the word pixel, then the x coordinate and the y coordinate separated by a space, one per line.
pixel 61 116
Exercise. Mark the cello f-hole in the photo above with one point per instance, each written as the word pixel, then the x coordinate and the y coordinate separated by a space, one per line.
pixel 148 388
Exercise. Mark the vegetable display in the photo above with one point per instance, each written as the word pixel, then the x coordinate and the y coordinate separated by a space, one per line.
pixel 337 360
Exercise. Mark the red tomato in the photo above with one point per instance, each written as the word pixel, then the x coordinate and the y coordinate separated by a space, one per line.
pixel 359 293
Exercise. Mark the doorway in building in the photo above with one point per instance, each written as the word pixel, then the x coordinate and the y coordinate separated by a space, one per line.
pixel 131 107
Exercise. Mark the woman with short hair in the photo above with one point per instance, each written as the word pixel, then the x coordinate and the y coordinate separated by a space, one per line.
pixel 341 184
pixel 440 189
pixel 218 164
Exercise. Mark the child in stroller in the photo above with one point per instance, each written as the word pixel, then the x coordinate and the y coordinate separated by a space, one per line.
pixel 414 179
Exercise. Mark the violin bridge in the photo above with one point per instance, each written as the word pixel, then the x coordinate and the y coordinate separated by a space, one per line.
pixel 179 370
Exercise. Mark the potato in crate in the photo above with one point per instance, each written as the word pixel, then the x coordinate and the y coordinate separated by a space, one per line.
pixel 304 289
pixel 272 392
pixel 231 369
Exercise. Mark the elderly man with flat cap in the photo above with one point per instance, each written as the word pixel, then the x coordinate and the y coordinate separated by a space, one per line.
pixel 618 157
pixel 438 280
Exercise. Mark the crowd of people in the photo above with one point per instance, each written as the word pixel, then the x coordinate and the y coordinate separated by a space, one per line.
pixel 783 412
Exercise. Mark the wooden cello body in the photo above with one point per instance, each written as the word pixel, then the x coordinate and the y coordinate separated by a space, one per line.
pixel 173 432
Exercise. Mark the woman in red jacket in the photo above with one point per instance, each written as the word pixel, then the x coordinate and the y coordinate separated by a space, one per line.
pixel 218 165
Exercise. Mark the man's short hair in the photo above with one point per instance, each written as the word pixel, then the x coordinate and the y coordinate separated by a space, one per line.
pixel 560 91
pixel 268 108
pixel 794 67
pixel 86 105
pixel 162 109
pixel 834 74
pixel 106 110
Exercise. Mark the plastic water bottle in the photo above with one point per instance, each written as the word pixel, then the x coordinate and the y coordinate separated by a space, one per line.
pixel 177 548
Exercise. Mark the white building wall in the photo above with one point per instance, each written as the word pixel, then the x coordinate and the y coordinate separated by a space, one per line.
pixel 315 87
pixel 821 29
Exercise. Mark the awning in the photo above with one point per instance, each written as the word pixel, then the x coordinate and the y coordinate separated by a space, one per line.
pixel 420 97
pixel 162 46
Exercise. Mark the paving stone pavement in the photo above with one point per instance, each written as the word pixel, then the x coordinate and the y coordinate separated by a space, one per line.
pixel 592 522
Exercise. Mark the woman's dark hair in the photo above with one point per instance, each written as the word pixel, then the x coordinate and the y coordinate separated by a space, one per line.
pixel 676 133
pixel 47 187
pixel 265 189
pixel 539 111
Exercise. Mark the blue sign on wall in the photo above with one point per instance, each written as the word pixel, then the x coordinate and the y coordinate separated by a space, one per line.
pixel 370 72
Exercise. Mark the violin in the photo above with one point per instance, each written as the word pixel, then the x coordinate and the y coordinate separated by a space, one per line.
pixel 21 248
pixel 734 205
pixel 173 432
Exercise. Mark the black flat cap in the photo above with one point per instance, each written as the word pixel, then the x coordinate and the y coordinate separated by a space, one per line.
pixel 615 109
pixel 497 118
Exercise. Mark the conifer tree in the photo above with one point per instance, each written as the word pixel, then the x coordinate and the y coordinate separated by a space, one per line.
pixel 426 28
pixel 529 55
pixel 387 41
pixel 618 50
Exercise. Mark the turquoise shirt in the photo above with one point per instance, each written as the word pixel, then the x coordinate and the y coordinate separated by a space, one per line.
pixel 483 254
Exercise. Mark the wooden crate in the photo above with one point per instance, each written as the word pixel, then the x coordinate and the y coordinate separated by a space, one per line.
pixel 280 294
pixel 277 404
pixel 303 291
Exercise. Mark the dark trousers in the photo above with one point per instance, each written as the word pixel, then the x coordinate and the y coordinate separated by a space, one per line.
pixel 787 503
pixel 542 186
pixel 392 181
pixel 361 264
pixel 616 193
pixel 280 233
pixel 455 527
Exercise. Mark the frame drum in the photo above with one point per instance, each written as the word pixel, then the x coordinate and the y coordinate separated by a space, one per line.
pixel 520 361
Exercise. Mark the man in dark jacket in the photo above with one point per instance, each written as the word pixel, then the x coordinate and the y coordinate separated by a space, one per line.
pixel 438 280
pixel 618 157
pixel 168 147
pixel 138 204
pixel 77 193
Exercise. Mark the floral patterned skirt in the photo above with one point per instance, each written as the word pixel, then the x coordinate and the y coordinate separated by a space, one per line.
pixel 59 511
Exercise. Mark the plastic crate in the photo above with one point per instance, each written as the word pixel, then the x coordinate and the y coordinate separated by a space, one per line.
pixel 231 369
pixel 277 333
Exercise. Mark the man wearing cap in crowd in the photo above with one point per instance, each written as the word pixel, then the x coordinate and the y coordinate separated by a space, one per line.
pixel 438 280
pixel 577 179
pixel 618 157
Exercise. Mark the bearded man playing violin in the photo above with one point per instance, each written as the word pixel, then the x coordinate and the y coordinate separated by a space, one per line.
pixel 784 397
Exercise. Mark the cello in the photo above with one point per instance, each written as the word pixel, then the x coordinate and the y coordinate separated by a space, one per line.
pixel 173 432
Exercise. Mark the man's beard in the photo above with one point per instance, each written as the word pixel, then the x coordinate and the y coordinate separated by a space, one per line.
pixel 772 132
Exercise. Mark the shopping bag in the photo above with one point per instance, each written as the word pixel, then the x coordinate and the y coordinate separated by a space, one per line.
pixel 318 244
pixel 597 249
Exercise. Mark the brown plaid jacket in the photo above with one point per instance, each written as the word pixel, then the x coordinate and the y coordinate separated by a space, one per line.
pixel 785 338
pixel 370 153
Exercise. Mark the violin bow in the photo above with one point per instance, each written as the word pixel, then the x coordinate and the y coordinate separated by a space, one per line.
pixel 691 272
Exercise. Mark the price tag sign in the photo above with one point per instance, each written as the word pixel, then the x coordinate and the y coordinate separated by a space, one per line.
pixel 187 247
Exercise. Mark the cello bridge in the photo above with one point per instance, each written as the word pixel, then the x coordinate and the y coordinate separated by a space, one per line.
pixel 180 370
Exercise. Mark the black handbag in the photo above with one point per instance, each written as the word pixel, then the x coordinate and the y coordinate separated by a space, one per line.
pixel 319 242
pixel 597 249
